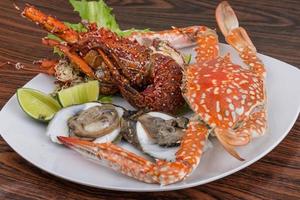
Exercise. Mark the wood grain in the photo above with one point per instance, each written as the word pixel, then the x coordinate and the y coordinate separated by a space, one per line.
pixel 274 27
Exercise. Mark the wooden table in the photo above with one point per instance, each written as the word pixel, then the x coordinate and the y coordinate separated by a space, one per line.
pixel 274 27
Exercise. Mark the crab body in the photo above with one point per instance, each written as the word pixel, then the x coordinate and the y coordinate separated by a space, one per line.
pixel 225 96
pixel 222 93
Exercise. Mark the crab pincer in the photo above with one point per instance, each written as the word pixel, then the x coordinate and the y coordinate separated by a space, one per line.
pixel 130 164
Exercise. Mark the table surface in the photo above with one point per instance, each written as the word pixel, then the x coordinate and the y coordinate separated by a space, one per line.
pixel 274 27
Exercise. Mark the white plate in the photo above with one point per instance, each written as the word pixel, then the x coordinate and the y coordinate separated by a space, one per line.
pixel 27 137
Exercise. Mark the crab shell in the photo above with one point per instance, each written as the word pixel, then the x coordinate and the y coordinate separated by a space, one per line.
pixel 223 93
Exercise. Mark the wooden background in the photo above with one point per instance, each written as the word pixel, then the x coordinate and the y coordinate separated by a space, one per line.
pixel 274 27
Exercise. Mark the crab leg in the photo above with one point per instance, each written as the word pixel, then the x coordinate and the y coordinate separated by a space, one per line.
pixel 255 123
pixel 207 45
pixel 205 39
pixel 238 38
pixel 254 126
pixel 50 24
pixel 178 37
pixel 162 172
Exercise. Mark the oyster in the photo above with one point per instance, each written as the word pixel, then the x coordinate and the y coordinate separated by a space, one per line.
pixel 94 122
pixel 91 121
pixel 164 132
pixel 156 134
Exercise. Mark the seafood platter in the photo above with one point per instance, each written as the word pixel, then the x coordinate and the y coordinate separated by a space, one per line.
pixel 157 110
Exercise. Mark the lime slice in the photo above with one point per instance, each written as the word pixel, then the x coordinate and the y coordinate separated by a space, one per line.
pixel 36 104
pixel 78 94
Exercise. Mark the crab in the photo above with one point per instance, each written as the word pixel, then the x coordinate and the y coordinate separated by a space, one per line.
pixel 228 100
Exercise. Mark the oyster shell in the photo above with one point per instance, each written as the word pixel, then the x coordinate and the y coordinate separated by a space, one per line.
pixel 92 121
pixel 155 142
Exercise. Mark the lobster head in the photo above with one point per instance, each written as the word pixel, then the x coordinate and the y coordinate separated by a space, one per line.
pixel 131 59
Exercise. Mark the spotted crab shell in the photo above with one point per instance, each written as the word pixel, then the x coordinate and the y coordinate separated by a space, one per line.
pixel 222 93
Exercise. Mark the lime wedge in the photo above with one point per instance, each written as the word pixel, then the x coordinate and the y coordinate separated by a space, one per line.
pixel 36 104
pixel 78 94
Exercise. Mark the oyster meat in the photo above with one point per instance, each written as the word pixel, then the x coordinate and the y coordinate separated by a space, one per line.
pixel 164 132
pixel 94 122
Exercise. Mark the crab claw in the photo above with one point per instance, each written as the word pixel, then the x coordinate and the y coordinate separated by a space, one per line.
pixel 112 156
pixel 229 26
pixel 87 149
pixel 130 164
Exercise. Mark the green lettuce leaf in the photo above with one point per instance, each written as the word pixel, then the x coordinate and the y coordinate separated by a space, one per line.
pixel 76 27
pixel 98 12
pixel 94 12
pixel 105 99
pixel 187 58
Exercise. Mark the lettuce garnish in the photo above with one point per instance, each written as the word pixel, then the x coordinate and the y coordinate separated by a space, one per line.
pixel 96 12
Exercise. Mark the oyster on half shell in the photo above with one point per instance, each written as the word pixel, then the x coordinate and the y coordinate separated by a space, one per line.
pixel 96 122
pixel 156 134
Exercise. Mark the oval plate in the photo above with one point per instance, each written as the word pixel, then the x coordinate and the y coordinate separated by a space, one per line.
pixel 27 137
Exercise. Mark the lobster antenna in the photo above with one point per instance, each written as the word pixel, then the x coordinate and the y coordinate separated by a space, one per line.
pixel 5 63
pixel 15 5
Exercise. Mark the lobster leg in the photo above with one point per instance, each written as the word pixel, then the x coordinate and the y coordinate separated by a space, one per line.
pixel 79 62
pixel 47 65
pixel 167 78
pixel 238 38
pixel 128 92
pixel 162 172
pixel 50 24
